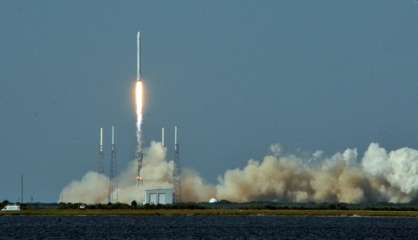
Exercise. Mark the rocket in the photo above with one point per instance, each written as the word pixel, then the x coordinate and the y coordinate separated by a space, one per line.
pixel 138 56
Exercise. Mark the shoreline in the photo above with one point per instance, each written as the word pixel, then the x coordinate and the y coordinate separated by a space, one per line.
pixel 211 212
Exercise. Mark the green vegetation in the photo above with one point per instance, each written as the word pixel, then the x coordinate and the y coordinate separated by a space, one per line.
pixel 3 204
pixel 209 212
pixel 223 208
pixel 249 206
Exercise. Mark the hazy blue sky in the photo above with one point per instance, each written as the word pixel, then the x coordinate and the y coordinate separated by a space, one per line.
pixel 236 76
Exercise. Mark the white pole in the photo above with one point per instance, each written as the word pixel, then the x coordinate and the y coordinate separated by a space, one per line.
pixel 162 137
pixel 113 135
pixel 101 139
pixel 175 135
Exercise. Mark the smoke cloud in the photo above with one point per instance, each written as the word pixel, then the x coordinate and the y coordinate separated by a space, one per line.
pixel 378 176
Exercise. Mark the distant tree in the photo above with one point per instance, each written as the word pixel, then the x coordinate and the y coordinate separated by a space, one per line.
pixel 134 204
pixel 4 203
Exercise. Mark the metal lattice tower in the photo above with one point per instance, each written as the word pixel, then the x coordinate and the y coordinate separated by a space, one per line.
pixel 100 154
pixel 113 186
pixel 177 169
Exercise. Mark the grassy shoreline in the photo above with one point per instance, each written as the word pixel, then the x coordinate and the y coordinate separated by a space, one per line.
pixel 210 212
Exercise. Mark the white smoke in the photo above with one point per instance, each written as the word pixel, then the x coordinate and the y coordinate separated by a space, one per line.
pixel 379 176
pixel 399 167
pixel 92 188
pixel 156 171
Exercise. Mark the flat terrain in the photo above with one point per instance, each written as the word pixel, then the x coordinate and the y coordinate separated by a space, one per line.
pixel 209 212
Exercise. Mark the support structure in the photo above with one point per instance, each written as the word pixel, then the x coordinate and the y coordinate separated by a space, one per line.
pixel 162 137
pixel 113 185
pixel 177 168
pixel 100 154
pixel 21 189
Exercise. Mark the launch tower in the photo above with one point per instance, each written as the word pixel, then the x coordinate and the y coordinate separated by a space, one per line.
pixel 100 154
pixel 177 169
pixel 113 186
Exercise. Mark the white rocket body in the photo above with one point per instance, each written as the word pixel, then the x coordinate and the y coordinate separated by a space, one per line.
pixel 138 56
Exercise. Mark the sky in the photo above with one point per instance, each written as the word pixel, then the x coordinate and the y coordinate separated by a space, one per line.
pixel 236 76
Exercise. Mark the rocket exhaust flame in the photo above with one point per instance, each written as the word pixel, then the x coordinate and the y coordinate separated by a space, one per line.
pixel 139 104
pixel 139 116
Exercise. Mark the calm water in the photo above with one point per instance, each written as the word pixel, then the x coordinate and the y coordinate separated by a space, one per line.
pixel 207 228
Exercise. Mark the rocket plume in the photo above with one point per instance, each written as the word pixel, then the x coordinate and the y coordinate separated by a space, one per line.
pixel 139 108
pixel 378 176
pixel 139 97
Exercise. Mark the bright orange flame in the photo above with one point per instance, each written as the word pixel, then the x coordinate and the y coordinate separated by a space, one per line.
pixel 139 100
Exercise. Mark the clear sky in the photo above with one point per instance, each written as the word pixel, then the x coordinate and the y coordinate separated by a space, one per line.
pixel 236 76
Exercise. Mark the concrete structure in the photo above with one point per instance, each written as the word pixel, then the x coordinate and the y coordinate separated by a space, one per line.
pixel 159 196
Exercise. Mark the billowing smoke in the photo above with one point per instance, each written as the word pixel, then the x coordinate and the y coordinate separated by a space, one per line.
pixel 157 173
pixel 377 176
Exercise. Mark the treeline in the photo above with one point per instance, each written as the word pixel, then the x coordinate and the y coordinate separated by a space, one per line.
pixel 250 205
pixel 3 204
pixel 321 206
pixel 133 205
pixel 225 205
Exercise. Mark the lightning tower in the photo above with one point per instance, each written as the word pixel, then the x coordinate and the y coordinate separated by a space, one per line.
pixel 100 154
pixel 113 186
pixel 177 173
pixel 162 137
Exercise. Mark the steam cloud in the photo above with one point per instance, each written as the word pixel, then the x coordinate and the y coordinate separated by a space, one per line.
pixel 378 176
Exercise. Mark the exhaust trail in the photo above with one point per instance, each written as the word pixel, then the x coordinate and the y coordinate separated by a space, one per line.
pixel 139 98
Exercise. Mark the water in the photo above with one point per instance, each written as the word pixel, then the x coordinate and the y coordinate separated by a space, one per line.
pixel 207 228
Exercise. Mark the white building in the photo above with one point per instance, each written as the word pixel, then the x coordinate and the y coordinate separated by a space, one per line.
pixel 159 196
pixel 11 207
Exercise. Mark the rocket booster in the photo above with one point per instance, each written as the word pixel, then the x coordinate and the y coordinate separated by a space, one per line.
pixel 138 56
